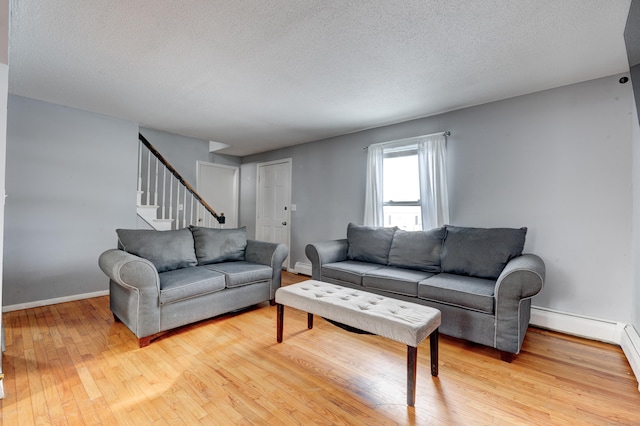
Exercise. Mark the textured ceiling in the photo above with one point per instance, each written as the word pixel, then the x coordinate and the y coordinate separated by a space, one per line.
pixel 263 74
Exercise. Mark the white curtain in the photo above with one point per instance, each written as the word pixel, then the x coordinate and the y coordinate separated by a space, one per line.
pixel 432 156
pixel 373 215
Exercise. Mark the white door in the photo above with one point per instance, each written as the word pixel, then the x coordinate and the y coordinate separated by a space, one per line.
pixel 217 184
pixel 273 204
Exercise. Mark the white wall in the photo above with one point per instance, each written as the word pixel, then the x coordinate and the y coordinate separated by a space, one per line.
pixel 558 162
pixel 71 181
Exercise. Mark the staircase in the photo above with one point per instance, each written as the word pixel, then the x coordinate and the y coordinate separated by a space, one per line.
pixel 165 200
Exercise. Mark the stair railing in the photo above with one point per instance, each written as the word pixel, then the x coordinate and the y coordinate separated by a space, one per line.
pixel 164 188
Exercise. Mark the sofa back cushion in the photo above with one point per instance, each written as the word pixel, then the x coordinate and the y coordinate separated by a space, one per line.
pixel 480 252
pixel 215 245
pixel 369 243
pixel 167 250
pixel 417 250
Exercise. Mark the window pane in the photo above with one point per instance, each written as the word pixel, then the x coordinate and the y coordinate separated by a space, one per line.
pixel 408 218
pixel 401 181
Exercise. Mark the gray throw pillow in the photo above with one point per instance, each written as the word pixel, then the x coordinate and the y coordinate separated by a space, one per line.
pixel 369 243
pixel 215 245
pixel 167 250
pixel 417 250
pixel 480 252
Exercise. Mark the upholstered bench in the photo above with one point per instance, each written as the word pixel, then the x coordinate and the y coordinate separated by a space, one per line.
pixel 404 322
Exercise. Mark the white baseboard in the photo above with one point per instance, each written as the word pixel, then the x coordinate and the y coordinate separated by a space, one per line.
pixel 54 301
pixel 302 268
pixel 630 343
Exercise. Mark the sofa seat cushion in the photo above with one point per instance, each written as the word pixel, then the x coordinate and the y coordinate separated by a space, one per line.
pixel 242 273
pixel 395 280
pixel 467 292
pixel 350 271
pixel 185 283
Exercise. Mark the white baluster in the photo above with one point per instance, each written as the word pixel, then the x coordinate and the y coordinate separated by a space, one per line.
pixel 155 199
pixel 178 188
pixel 139 166
pixel 164 195
pixel 171 197
pixel 148 176
pixel 184 209
pixel 191 212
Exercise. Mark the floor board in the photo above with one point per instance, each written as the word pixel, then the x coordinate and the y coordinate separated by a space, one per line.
pixel 72 364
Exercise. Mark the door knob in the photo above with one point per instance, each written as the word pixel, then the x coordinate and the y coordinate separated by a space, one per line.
pixel 284 223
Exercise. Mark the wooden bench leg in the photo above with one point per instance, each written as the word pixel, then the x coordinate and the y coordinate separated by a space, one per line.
pixel 280 322
pixel 412 363
pixel 433 343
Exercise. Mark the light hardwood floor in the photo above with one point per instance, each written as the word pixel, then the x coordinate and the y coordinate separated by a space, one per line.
pixel 72 364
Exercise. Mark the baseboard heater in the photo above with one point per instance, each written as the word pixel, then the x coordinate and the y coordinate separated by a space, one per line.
pixel 302 268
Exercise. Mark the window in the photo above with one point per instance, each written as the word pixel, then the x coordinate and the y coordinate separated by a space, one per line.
pixel 401 188
pixel 406 183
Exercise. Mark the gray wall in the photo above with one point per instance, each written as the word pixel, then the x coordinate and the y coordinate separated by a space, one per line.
pixel 327 187
pixel 227 160
pixel 70 181
pixel 181 151
pixel 632 42
pixel 635 297
pixel 558 162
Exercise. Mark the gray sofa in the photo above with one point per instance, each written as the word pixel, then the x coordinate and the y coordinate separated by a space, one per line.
pixel 160 280
pixel 478 278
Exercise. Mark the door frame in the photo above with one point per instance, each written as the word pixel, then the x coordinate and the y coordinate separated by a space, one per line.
pixel 289 161
pixel 236 184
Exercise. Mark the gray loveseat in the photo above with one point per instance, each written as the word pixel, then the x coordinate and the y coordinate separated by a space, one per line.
pixel 160 280
pixel 478 278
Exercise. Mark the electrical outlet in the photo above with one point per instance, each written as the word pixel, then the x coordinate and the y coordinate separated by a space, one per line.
pixel 180 207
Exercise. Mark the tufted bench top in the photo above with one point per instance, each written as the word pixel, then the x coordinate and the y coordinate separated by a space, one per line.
pixel 404 322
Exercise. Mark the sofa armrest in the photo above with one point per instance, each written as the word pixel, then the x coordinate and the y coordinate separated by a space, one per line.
pixel 129 270
pixel 270 254
pixel 134 291
pixel 325 252
pixel 521 279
